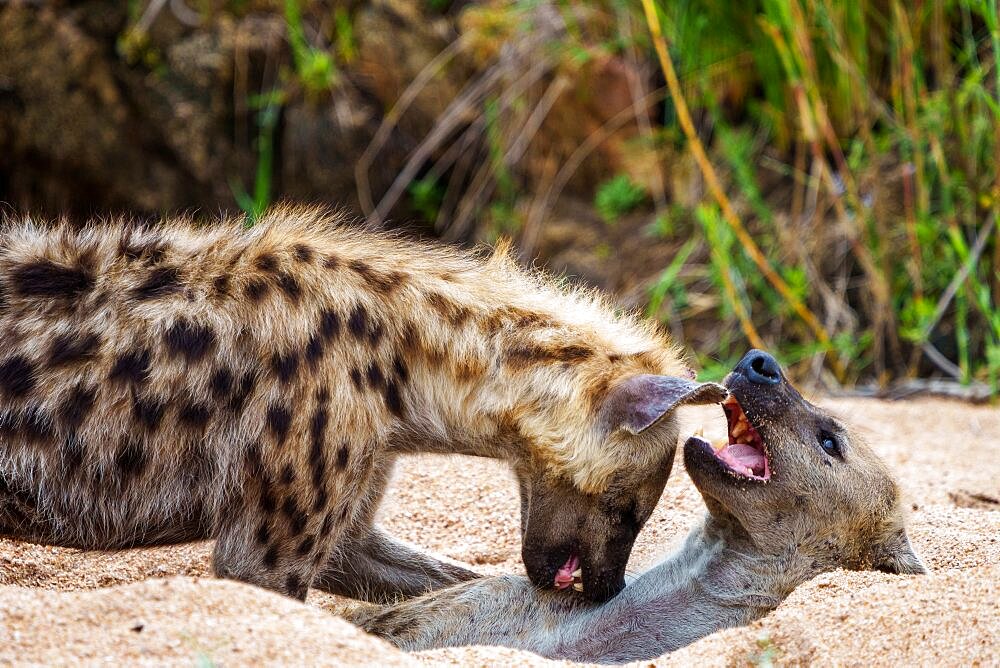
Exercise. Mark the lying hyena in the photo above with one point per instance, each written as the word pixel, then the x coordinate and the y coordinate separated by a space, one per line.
pixel 177 382
pixel 792 494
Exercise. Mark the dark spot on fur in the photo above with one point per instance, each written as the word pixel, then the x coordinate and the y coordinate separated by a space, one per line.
pixel 221 382
pixel 384 282
pixel 149 250
pixel 317 430
pixel 314 350
pixel 331 262
pixel 130 459
pixel 357 323
pixel 400 370
pixel 393 399
pixel 189 340
pixel 266 262
pixel 449 309
pixel 279 421
pixel 263 533
pixel 221 285
pixel 44 278
pixel 329 324
pixel 357 379
pixel 287 474
pixel 359 266
pixel 255 289
pixel 148 412
pixel 267 501
pixel 322 497
pixel 284 366
pixel 290 286
pixel 194 415
pixel 522 356
pixel 71 348
pixel 306 546
pixel 342 456
pixel 132 366
pixel 271 557
pixel 243 391
pixel 77 404
pixel 375 332
pixel 375 377
pixel 317 451
pixel 294 585
pixel 327 527
pixel 303 253
pixel 323 394
pixel 17 376
pixel 295 515
pixel 162 281
pixel 36 426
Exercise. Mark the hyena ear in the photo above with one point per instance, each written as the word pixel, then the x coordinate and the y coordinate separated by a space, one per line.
pixel 897 556
pixel 638 402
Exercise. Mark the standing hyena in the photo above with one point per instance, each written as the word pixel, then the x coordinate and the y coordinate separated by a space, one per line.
pixel 254 386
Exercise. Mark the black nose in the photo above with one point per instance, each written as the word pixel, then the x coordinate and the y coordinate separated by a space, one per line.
pixel 760 368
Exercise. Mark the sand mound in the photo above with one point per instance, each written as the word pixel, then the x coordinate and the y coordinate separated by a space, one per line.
pixel 466 509
pixel 181 621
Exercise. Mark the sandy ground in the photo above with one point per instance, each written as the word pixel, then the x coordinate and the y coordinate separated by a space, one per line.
pixel 159 606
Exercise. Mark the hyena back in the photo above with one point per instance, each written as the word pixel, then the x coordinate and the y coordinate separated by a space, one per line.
pixel 178 382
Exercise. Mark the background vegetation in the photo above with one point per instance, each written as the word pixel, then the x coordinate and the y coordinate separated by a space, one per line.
pixel 818 177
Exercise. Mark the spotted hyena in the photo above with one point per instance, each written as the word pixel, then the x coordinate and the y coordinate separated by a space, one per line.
pixel 175 382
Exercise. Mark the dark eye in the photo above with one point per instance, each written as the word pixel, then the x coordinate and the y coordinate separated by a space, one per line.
pixel 830 444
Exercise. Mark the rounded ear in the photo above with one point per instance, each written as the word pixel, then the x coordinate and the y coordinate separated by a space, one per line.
pixel 896 555
pixel 638 402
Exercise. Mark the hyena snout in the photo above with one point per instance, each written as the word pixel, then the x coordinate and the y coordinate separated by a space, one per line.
pixel 759 368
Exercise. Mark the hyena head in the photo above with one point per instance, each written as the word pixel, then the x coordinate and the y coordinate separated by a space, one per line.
pixel 791 474
pixel 599 452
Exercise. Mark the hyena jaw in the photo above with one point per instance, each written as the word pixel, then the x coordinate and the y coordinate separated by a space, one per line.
pixel 175 382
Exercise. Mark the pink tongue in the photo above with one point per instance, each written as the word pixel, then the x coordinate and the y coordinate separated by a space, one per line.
pixel 564 576
pixel 741 456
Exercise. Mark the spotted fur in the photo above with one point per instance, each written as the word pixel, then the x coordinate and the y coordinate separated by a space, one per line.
pixel 179 382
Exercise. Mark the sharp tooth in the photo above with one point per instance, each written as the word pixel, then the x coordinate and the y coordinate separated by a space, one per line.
pixel 700 432
pixel 578 573
pixel 720 445
pixel 578 586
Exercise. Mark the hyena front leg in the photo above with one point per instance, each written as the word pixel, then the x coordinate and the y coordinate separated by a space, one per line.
pixel 370 565
pixel 276 532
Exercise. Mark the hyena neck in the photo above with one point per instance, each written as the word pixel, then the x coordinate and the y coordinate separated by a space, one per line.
pixel 714 581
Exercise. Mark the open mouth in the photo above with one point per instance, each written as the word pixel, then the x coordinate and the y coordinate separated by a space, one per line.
pixel 743 454
pixel 569 575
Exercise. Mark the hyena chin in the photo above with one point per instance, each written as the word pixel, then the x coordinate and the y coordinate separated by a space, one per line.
pixel 791 494
pixel 177 382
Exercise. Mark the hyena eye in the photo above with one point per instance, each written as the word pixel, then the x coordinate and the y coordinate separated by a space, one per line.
pixel 830 444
